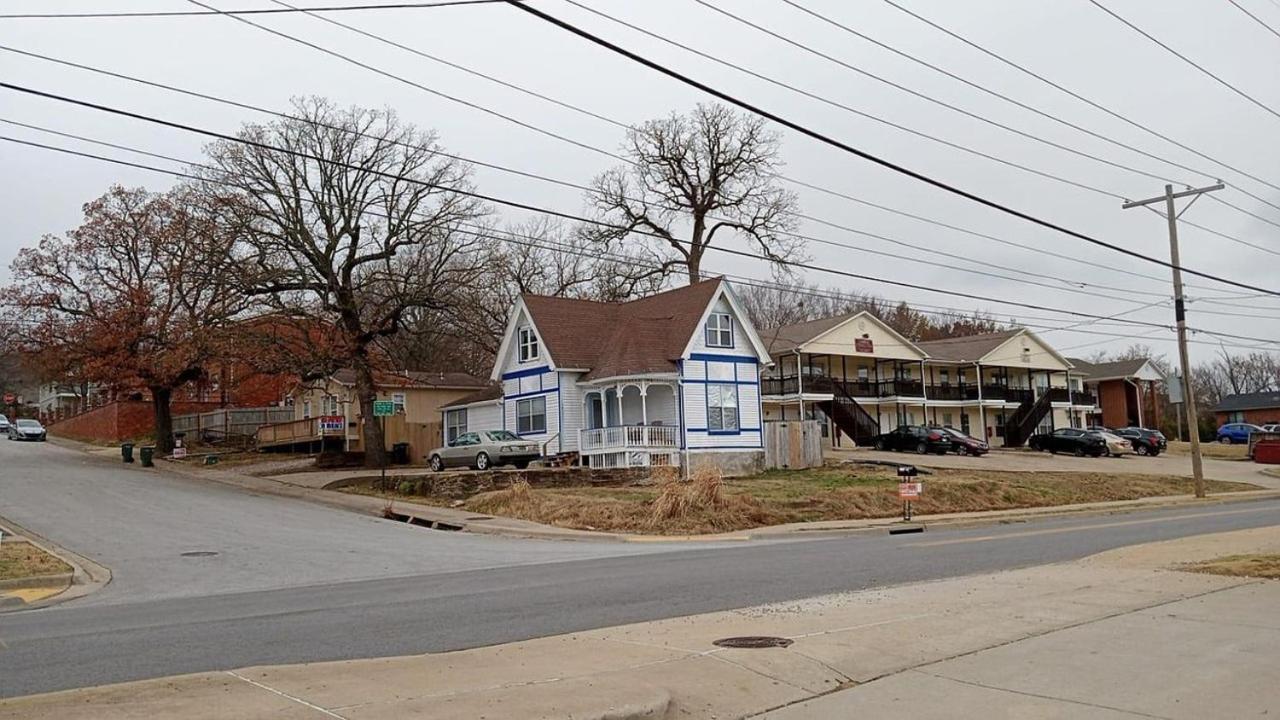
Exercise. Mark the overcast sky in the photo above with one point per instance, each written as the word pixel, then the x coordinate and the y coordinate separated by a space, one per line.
pixel 1071 42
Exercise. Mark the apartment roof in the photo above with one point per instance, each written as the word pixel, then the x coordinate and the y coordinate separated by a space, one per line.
pixel 641 336
pixel 790 337
pixel 1115 370
pixel 413 379
pixel 1249 401
pixel 970 348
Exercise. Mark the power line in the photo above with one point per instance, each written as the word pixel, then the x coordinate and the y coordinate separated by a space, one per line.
pixel 1091 103
pixel 862 153
pixel 553 213
pixel 948 312
pixel 1255 18
pixel 1186 59
pixel 256 11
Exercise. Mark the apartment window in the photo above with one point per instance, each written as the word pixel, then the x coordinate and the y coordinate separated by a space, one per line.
pixel 329 405
pixel 531 415
pixel 960 376
pixel 455 424
pixel 719 330
pixel 306 408
pixel 862 374
pixel 528 344
pixel 397 400
pixel 722 408
pixel 906 372
pixel 945 377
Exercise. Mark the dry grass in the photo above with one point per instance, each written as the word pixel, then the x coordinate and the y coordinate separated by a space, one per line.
pixel 1254 566
pixel 708 503
pixel 1211 450
pixel 21 560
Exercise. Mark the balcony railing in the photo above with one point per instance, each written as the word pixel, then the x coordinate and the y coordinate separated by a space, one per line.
pixel 953 392
pixel 625 437
pixel 1080 397
pixel 1059 395
pixel 902 388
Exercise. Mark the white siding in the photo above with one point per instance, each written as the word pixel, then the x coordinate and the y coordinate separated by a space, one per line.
pixel 572 410
pixel 510 362
pixel 527 385
pixel 484 417
pixel 741 345
pixel 746 377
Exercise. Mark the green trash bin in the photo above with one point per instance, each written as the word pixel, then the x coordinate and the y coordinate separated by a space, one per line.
pixel 147 453
pixel 126 452
pixel 400 453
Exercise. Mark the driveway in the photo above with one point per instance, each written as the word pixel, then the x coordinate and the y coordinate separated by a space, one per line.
pixel 1030 461
pixel 144 526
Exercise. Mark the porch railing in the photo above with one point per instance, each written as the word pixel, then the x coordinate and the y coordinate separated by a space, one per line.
pixel 622 437
pixel 1079 397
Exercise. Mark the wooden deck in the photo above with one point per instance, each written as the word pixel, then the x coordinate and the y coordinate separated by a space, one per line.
pixel 293 432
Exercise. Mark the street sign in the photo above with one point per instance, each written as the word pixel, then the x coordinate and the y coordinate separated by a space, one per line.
pixel 1175 389
pixel 383 408
pixel 332 424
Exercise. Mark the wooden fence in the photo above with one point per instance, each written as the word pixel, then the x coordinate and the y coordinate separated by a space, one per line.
pixel 794 444
pixel 288 433
pixel 230 422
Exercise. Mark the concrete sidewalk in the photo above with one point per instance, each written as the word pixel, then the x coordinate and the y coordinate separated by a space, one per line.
pixel 1113 636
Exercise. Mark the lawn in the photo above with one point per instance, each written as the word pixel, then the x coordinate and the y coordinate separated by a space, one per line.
pixel 1259 566
pixel 1211 450
pixel 21 560
pixel 840 492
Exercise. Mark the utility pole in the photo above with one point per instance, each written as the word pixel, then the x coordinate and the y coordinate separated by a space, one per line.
pixel 1180 314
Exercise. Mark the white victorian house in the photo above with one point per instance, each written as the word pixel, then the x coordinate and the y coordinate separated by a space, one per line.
pixel 662 380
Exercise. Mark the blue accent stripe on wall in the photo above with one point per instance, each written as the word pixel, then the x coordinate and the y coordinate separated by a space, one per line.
pixel 518 396
pixel 525 373
pixel 721 382
pixel 724 358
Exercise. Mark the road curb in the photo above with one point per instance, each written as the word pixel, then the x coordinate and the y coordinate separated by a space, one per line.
pixel 87 576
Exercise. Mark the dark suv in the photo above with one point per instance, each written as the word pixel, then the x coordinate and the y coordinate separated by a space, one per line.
pixel 915 437
pixel 1145 442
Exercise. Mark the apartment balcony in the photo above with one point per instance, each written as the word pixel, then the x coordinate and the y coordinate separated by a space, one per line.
pixel 953 392
pixel 1085 399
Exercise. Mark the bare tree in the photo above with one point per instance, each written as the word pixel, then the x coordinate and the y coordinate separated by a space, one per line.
pixel 351 219
pixel 692 178
pixel 133 297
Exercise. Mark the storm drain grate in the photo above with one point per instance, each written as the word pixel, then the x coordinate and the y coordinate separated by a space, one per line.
pixel 199 553
pixel 752 642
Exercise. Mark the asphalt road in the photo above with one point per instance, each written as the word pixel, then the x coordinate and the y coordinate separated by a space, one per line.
pixel 337 607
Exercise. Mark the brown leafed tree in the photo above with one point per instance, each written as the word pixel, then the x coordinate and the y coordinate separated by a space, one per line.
pixel 351 219
pixel 692 180
pixel 133 297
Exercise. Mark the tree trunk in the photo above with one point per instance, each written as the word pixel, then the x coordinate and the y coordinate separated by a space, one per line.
pixel 160 397
pixel 694 264
pixel 375 448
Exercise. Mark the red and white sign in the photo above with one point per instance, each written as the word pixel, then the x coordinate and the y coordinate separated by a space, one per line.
pixel 863 345
pixel 332 424
pixel 910 490
pixel 10 398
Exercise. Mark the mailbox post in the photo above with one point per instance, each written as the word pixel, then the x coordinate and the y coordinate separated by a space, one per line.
pixel 909 488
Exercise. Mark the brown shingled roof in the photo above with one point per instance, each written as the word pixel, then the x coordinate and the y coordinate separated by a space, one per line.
pixel 1113 369
pixel 646 335
pixel 492 392
pixel 969 348
pixel 790 337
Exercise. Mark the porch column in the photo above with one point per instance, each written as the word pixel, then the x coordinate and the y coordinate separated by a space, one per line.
pixel 617 391
pixel 644 405
pixel 982 409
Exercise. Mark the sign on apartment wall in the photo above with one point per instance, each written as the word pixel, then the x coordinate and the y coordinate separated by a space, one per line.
pixel 863 345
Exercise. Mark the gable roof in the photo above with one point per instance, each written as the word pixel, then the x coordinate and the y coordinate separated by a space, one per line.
pixel 646 335
pixel 970 348
pixel 791 337
pixel 413 379
pixel 1114 370
pixel 1249 401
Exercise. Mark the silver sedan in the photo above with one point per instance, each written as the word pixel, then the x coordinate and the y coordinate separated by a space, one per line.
pixel 485 449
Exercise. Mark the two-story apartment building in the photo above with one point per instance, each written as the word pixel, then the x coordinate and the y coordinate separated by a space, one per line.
pixel 667 379
pixel 861 378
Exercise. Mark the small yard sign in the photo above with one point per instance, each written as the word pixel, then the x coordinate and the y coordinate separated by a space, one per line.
pixel 910 490
pixel 332 423
pixel 383 408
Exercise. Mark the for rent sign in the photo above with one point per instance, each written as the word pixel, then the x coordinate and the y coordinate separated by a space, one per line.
pixel 332 424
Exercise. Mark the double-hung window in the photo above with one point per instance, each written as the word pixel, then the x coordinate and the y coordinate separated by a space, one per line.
pixel 528 342
pixel 397 401
pixel 330 406
pixel 719 330
pixel 722 408
pixel 455 424
pixel 531 415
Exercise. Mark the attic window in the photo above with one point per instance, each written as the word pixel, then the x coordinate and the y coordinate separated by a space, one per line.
pixel 528 344
pixel 719 330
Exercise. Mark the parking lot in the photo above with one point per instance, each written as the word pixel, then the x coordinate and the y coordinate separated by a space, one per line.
pixel 1031 461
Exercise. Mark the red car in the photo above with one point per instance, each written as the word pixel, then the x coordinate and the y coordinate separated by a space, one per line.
pixel 963 443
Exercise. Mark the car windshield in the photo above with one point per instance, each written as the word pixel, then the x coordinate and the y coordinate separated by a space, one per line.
pixel 3 419
pixel 28 423
pixel 501 435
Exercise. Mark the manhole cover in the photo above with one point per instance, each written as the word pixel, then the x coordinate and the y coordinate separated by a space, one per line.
pixel 753 641
pixel 199 553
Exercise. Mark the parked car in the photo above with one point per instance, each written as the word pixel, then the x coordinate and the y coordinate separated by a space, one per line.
pixel 1116 445
pixel 1275 428
pixel 27 429
pixel 915 437
pixel 962 443
pixel 1236 432
pixel 4 424
pixel 1145 441
pixel 485 449
pixel 1072 440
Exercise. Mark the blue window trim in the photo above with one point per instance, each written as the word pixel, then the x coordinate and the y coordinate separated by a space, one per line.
pixel 516 415
pixel 684 431
pixel 722 382
pixel 724 432
pixel 717 357
pixel 526 373
pixel 706 401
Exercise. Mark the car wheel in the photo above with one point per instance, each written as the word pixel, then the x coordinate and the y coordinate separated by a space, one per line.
pixel 922 448
pixel 1225 440
pixel 880 445
pixel 1142 450
pixel 1079 452
pixel 482 461
pixel 437 463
